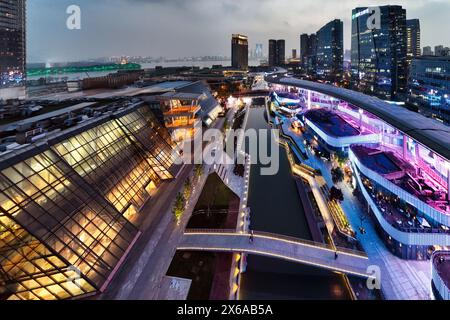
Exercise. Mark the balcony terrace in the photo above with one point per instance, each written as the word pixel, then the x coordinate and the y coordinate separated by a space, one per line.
pixel 410 176
pixel 401 218
pixel 182 110
pixel 182 123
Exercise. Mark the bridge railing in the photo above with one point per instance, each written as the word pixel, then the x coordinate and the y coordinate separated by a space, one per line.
pixel 276 237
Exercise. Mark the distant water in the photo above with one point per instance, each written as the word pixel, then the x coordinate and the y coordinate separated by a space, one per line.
pixel 200 64
pixel 276 207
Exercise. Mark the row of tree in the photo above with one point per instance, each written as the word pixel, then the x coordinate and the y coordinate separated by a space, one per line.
pixel 182 197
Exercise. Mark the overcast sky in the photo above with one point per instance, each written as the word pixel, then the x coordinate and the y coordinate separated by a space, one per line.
pixel 181 28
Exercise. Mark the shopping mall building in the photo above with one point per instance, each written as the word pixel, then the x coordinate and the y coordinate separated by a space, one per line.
pixel 70 202
pixel 400 161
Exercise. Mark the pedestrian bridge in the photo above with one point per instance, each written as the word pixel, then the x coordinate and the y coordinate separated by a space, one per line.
pixel 277 246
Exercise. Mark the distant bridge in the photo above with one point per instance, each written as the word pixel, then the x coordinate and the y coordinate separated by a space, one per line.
pixel 278 246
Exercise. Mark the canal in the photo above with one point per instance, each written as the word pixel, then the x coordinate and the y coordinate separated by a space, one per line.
pixel 276 207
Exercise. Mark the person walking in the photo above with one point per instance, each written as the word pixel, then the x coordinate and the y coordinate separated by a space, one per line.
pixel 335 255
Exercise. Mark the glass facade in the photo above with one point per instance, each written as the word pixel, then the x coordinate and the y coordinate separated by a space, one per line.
pixel 379 54
pixel 429 86
pixel 308 52
pixel 239 52
pixel 12 43
pixel 413 39
pixel 330 51
pixel 43 196
pixel 67 211
pixel 277 52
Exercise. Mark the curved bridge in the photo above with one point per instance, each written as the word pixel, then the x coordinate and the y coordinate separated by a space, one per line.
pixel 277 246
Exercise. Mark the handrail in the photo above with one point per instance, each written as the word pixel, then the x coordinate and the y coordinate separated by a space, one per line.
pixel 442 285
pixel 393 231
pixel 436 214
pixel 274 236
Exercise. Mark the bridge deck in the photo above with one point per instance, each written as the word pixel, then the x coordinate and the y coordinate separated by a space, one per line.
pixel 276 246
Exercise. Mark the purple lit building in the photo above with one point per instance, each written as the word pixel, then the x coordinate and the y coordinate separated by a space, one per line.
pixel 399 160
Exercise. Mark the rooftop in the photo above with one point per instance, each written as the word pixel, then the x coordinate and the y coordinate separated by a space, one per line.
pixel 384 163
pixel 47 115
pixel 430 133
pixel 59 133
pixel 181 96
pixel 436 58
pixel 331 123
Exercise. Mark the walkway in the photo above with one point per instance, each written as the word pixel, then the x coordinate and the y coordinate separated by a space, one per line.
pixel 401 279
pixel 277 246
pixel 141 277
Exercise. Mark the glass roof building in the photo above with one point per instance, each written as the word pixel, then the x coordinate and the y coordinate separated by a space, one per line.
pixel 70 204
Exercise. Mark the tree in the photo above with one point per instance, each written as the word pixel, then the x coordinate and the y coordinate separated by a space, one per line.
pixel 337 174
pixel 187 188
pixel 198 171
pixel 341 157
pixel 178 208
pixel 226 125
pixel 336 194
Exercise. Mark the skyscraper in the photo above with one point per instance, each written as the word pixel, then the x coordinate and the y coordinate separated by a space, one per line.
pixel 330 51
pixel 281 52
pixel 272 52
pixel 294 53
pixel 259 51
pixel 413 38
pixel 12 48
pixel 277 52
pixel 239 52
pixel 379 65
pixel 308 50
pixel 304 39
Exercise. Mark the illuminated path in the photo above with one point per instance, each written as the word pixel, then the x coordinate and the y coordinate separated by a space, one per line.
pixel 277 246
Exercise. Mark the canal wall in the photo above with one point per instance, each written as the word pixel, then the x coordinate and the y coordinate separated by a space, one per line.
pixel 313 224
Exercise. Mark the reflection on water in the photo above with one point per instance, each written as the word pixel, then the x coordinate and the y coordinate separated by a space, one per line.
pixel 275 207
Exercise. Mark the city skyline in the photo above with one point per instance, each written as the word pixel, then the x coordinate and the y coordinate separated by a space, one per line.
pixel 127 175
pixel 200 27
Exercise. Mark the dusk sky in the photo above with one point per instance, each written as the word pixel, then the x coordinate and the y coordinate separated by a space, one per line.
pixel 181 28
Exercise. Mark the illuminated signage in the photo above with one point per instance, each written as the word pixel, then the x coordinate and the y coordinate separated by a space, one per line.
pixel 374 18
pixel 359 14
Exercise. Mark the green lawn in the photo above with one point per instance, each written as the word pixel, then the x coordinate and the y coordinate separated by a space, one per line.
pixel 215 194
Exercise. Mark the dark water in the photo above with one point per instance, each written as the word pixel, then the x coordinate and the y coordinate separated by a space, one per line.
pixel 275 207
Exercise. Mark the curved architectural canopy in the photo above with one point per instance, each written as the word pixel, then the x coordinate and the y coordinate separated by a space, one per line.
pixel 430 133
